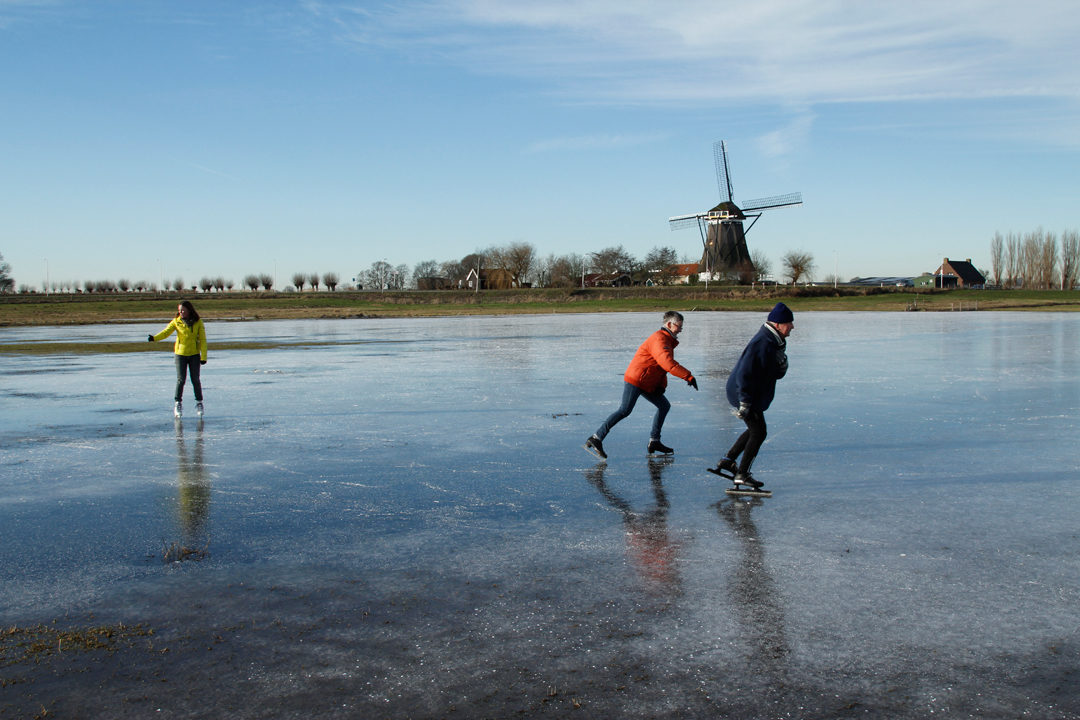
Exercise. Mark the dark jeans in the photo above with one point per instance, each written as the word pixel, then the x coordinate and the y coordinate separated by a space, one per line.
pixel 750 441
pixel 630 396
pixel 186 364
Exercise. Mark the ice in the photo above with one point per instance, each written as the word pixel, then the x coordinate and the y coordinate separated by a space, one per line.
pixel 396 518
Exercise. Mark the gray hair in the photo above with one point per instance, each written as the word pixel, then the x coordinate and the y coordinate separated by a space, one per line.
pixel 672 315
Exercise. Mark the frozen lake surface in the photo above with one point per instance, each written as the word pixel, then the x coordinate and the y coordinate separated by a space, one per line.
pixel 406 525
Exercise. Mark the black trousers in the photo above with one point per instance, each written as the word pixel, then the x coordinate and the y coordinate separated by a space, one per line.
pixel 187 364
pixel 750 441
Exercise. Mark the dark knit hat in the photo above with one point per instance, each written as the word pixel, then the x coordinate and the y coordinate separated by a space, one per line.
pixel 781 314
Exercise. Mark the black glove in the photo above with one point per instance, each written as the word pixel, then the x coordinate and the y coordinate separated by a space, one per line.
pixel 743 411
pixel 202 362
pixel 692 382
pixel 150 338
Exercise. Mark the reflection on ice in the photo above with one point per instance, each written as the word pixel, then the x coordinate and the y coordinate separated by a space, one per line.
pixel 408 526
pixel 193 498
pixel 754 595
pixel 651 549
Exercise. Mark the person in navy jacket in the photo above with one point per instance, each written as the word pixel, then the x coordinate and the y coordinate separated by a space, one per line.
pixel 750 390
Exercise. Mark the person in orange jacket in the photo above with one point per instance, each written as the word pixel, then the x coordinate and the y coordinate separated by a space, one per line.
pixel 646 376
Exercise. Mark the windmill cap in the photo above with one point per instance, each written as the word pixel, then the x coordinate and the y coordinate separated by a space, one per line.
pixel 781 314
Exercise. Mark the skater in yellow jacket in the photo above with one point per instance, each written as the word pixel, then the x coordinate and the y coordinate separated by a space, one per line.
pixel 190 349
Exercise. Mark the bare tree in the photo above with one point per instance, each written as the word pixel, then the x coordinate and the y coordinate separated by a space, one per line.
pixel 1039 259
pixel 451 270
pixel 1070 259
pixel 330 280
pixel 519 259
pixel 206 284
pixel 219 284
pixel 7 282
pixel 659 264
pixel 542 271
pixel 612 260
pixel 997 256
pixel 566 270
pixel 298 280
pixel 1014 259
pixel 762 265
pixel 1048 262
pixel 378 276
pixel 425 269
pixel 313 280
pixel 251 282
pixel 267 281
pixel 798 265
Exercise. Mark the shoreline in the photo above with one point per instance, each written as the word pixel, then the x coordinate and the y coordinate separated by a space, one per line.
pixel 85 309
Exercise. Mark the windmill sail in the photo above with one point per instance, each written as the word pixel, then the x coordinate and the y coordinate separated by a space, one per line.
pixel 723 175
pixel 772 202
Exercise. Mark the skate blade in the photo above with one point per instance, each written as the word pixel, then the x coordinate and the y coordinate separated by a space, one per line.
pixel 748 493
pixel 595 454
pixel 721 473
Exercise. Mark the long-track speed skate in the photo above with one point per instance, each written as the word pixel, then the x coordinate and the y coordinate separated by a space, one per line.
pixel 739 488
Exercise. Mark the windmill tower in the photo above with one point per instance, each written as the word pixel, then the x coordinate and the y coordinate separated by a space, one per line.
pixel 721 228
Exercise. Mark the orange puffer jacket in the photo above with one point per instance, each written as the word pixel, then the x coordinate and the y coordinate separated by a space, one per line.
pixel 653 361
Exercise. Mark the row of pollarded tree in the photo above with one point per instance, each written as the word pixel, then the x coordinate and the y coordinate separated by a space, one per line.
pixel 302 280
pixel 1036 260
pixel 263 281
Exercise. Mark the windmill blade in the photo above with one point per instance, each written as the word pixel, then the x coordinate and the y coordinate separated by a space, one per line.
pixel 723 175
pixel 684 221
pixel 772 202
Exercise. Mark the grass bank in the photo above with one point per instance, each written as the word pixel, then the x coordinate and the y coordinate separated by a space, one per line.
pixel 75 309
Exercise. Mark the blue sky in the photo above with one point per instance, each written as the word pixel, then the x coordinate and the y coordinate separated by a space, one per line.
pixel 201 138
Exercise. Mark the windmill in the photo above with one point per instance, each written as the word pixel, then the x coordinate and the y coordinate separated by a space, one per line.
pixel 721 228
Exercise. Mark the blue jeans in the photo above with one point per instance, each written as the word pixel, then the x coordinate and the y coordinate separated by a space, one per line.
pixel 186 364
pixel 630 396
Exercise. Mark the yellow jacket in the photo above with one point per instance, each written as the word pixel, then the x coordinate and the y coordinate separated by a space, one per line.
pixel 190 339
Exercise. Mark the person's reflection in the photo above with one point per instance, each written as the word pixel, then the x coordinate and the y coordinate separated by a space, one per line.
pixel 193 498
pixel 648 544
pixel 753 594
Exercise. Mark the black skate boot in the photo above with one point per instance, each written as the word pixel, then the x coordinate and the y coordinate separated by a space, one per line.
pixel 596 447
pixel 655 446
pixel 747 481
pixel 725 468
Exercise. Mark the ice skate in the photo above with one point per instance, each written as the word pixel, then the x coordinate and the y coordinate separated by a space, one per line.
pixel 199 409
pixel 178 410
pixel 726 468
pixel 655 446
pixel 596 447
pixel 745 484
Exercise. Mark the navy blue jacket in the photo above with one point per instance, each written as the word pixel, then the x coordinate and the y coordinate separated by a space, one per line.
pixel 762 363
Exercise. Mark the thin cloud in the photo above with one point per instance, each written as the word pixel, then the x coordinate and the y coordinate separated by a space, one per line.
pixel 593 142
pixel 755 50
pixel 208 170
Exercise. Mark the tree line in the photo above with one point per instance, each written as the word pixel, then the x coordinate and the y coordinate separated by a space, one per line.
pixel 1036 260
pixel 519 263
pixel 525 267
